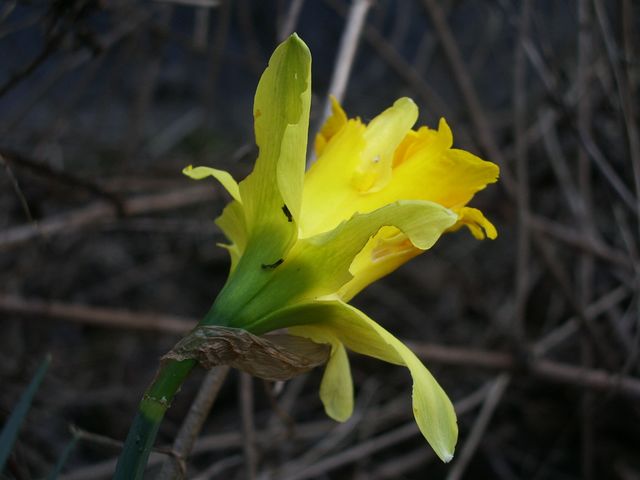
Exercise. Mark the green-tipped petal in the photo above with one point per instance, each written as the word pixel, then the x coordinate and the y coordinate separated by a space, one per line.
pixel 422 222
pixel 336 388
pixel 225 178
pixel 432 408
pixel 233 225
pixel 272 193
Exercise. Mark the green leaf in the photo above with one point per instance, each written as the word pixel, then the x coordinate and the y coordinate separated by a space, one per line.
pixel 66 453
pixel 12 427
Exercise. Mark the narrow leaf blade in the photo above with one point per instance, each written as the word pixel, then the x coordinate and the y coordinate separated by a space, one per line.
pixel 14 422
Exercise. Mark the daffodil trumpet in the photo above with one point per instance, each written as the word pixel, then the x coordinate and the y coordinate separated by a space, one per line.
pixel 303 244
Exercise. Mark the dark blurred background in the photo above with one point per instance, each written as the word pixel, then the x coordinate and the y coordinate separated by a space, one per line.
pixel 107 252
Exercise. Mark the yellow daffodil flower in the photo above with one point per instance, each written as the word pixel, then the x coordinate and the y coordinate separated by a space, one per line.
pixel 302 245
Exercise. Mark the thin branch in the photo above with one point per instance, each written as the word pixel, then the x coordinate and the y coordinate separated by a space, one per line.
pixel 379 443
pixel 594 379
pixel 104 317
pixel 290 22
pixel 344 60
pixel 248 429
pixel 585 268
pixel 494 395
pixel 486 138
pixel 400 65
pixel 48 49
pixel 101 211
pixel 175 468
pixel 577 239
pixel 215 57
pixel 625 96
pixel 598 380
pixel 522 192
pixel 346 51
pixel 218 467
pixel 65 178
pixel 17 189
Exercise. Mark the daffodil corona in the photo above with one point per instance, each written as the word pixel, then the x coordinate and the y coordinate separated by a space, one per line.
pixel 303 244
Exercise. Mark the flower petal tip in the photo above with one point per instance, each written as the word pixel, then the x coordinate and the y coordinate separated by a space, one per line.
pixel 295 40
pixel 404 101
pixel 340 417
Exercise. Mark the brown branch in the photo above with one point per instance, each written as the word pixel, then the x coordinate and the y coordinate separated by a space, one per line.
pixel 344 60
pixel 379 443
pixel 103 317
pixel 577 239
pixel 486 138
pixel 248 427
pixel 47 50
pixel 522 169
pixel 291 20
pixel 16 188
pixel 175 467
pixel 494 395
pixel 101 211
pixel 399 64
pixel 556 372
pixel 60 176
pixel 347 50
pixel 594 379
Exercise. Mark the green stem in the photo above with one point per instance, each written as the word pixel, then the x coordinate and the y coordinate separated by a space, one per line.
pixel 155 402
pixel 143 430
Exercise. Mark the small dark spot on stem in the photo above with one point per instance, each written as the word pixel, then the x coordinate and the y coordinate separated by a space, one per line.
pixel 287 213
pixel 272 265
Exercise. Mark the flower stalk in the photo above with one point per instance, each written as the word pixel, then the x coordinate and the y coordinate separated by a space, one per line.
pixel 144 429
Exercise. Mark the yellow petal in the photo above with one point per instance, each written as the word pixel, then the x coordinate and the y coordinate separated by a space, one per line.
pixel 384 253
pixel 382 137
pixel 476 222
pixel 421 222
pixel 428 169
pixel 362 169
pixel 328 193
pixel 432 408
pixel 225 178
pixel 331 127
pixel 425 138
pixel 336 388
pixel 354 164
